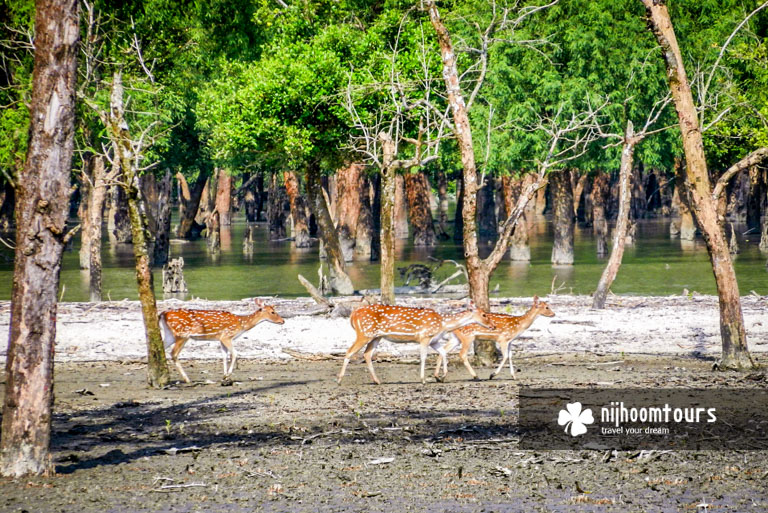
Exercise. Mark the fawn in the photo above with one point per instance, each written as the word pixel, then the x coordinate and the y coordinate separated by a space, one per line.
pixel 507 328
pixel 180 325
pixel 405 324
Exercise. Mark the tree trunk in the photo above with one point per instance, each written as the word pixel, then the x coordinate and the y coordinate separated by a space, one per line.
pixel 417 191
pixel 7 207
pixel 622 222
pixel 389 182
pixel 734 339
pixel 562 206
pixel 91 230
pixel 488 228
pixel 157 370
pixel 600 189
pixel 458 218
pixel 376 187
pixel 249 200
pixel 41 215
pixel 519 247
pixel 401 208
pixel 118 218
pixel 755 197
pixel 578 182
pixel 339 280
pixel 189 202
pixel 157 197
pixel 298 211
pixel 276 211
pixel 442 205
pixel 224 197
pixel 348 185
pixel 364 229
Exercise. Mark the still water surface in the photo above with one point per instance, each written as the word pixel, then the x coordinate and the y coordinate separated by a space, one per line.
pixel 655 265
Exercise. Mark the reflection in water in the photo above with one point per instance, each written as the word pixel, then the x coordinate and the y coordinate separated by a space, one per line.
pixel 656 264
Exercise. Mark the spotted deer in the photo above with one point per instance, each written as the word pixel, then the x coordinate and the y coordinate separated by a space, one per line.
pixel 507 328
pixel 405 324
pixel 178 326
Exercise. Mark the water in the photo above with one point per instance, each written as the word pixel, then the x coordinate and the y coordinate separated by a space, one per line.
pixel 655 265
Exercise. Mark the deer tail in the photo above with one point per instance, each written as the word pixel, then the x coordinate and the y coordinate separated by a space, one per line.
pixel 168 338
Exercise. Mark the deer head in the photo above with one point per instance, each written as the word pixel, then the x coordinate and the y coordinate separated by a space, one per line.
pixel 267 312
pixel 542 308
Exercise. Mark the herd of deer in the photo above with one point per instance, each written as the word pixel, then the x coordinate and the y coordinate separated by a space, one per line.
pixel 371 323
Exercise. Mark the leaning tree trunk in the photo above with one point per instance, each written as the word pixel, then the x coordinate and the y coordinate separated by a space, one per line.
pixel 601 188
pixel 298 211
pixel 41 215
pixel 157 370
pixel 338 279
pixel 622 222
pixel 734 339
pixel 562 202
pixel 417 192
pixel 189 202
pixel 224 197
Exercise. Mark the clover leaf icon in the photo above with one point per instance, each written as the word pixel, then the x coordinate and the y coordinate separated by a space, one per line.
pixel 575 419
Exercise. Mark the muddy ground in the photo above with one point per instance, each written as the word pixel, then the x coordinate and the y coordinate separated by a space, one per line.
pixel 286 437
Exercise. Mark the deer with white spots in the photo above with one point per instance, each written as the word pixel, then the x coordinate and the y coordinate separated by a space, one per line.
pixel 507 328
pixel 405 324
pixel 180 325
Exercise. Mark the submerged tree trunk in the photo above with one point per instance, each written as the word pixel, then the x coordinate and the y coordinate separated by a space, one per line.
pixel 417 191
pixel 224 197
pixel 442 205
pixel 157 370
pixel 562 219
pixel 118 218
pixel 157 197
pixel 488 228
pixel 734 339
pixel 298 211
pixel 339 280
pixel 600 189
pixel 622 222
pixel 519 247
pixel 401 208
pixel 276 211
pixel 41 215
pixel 348 185
pixel 189 202
pixel 364 229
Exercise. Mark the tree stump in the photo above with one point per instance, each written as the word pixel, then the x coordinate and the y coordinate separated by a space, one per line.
pixel 173 277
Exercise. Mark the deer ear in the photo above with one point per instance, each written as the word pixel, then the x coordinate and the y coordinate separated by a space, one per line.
pixel 535 300
pixel 259 303
pixel 472 305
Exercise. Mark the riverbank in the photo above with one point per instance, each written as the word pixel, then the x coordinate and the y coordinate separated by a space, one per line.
pixel 681 325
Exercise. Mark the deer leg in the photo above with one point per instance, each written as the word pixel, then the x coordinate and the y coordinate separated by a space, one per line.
pixel 443 358
pixel 503 360
pixel 359 343
pixel 229 356
pixel 423 348
pixel 177 346
pixel 464 355
pixel 368 354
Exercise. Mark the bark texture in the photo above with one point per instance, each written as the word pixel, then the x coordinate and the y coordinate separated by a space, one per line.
pixel 562 217
pixel 417 191
pixel 338 279
pixel 119 134
pixel 364 229
pixel 348 185
pixel 622 222
pixel 276 209
pixel 118 218
pixel 401 208
pixel 189 202
pixel 224 197
pixel 298 211
pixel 43 203
pixel 388 215
pixel 735 353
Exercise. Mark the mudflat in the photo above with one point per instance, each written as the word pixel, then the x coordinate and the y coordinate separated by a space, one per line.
pixel 285 437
